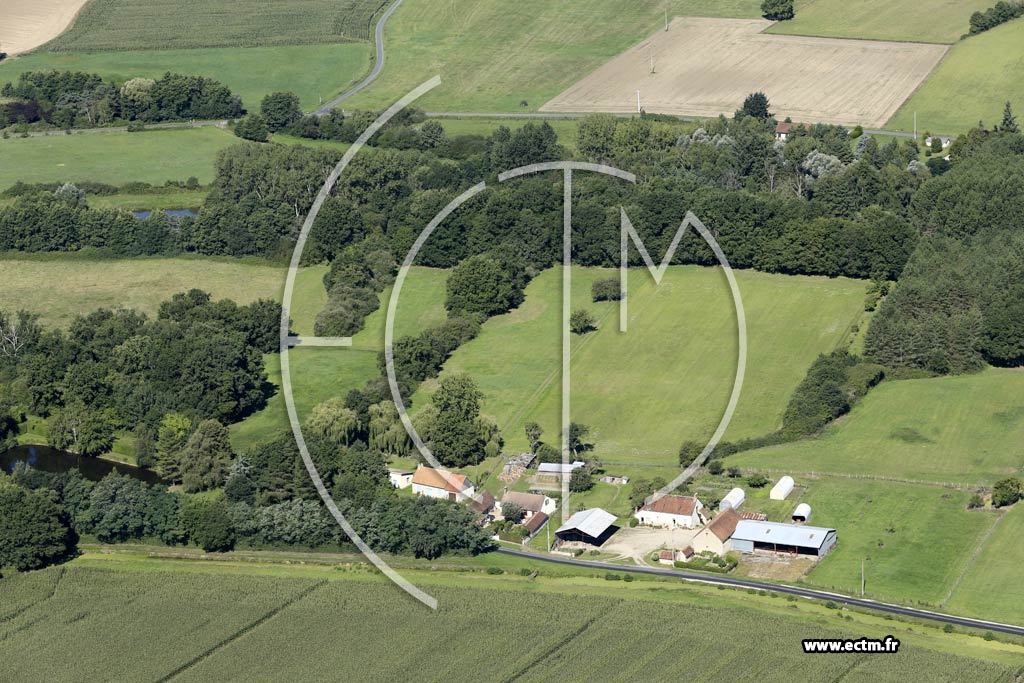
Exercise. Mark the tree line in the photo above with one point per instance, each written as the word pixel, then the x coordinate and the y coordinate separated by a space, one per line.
pixel 75 99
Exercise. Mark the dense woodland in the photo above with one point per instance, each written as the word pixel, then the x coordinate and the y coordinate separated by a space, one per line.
pixel 939 241
pixel 74 99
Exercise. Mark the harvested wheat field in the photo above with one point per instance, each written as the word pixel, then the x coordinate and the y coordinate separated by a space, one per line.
pixel 25 24
pixel 705 67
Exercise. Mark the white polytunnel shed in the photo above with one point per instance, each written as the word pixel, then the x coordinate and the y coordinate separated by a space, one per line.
pixel 732 500
pixel 802 513
pixel 782 488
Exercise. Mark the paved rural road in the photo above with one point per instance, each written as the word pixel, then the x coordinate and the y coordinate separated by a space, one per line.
pixel 378 64
pixel 721 580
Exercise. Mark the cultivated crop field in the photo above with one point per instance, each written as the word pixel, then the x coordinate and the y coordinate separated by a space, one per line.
pixel 705 67
pixel 339 626
pixel 25 24
pixel 970 85
pixel 964 429
pixel 310 71
pixel 144 25
pixel 115 158
pixel 668 378
pixel 494 55
pixel 924 21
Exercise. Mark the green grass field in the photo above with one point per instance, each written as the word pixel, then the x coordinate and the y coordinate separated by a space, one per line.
pixel 143 25
pixel 61 286
pixel 139 616
pixel 971 84
pixel 915 540
pixel 966 430
pixel 992 585
pixel 924 21
pixel 493 55
pixel 668 379
pixel 310 71
pixel 322 373
pixel 115 158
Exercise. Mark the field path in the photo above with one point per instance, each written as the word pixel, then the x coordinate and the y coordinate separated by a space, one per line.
pixel 378 63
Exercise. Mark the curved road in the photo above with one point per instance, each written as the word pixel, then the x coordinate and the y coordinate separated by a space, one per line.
pixel 721 580
pixel 378 63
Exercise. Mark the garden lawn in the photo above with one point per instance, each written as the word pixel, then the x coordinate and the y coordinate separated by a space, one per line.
pixel 116 158
pixel 965 430
pixel 971 84
pixel 310 71
pixel 668 378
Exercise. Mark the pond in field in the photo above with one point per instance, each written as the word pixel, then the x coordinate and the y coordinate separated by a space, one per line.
pixel 46 459
pixel 171 213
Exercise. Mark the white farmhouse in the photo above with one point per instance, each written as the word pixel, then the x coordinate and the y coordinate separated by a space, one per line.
pixel 441 484
pixel 671 511
pixel 530 503
pixel 400 479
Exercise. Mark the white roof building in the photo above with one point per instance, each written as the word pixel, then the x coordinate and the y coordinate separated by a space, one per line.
pixel 802 513
pixel 557 468
pixel 732 500
pixel 782 489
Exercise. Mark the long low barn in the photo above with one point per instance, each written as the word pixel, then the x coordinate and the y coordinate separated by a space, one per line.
pixel 795 539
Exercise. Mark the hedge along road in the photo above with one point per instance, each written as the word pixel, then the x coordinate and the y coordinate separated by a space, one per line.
pixel 720 580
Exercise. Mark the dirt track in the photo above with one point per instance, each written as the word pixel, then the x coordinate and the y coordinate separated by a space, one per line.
pixel 705 67
pixel 25 24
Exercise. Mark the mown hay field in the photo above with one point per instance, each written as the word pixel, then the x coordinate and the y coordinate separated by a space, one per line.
pixel 146 25
pixel 208 625
pixel 705 67
pixel 499 56
pixel 25 24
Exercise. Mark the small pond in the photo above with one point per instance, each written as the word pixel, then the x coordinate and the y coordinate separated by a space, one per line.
pixel 171 213
pixel 48 459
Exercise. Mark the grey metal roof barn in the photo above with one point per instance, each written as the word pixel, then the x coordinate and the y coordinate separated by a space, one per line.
pixel 795 539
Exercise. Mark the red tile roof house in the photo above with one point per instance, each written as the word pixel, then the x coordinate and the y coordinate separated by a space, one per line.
pixel 783 129
pixel 441 484
pixel 671 511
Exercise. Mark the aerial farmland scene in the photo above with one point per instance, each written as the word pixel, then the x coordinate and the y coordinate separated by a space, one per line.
pixel 477 340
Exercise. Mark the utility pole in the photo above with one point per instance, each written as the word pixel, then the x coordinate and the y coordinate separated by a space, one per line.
pixel 915 126
pixel 638 102
pixel 666 16
pixel 862 577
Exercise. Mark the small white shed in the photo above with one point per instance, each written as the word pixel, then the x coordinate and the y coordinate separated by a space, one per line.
pixel 802 513
pixel 732 500
pixel 782 488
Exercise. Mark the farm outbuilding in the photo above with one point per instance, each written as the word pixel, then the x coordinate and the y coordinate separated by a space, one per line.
pixel 789 539
pixel 782 488
pixel 732 500
pixel 802 513
pixel 671 511
pixel 593 527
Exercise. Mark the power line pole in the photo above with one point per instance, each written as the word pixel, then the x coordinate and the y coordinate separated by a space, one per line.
pixel 638 110
pixel 862 577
